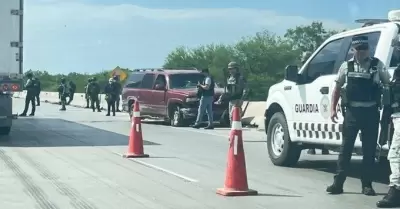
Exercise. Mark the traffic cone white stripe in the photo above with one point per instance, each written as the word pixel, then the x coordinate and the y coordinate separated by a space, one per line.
pixel 136 114
pixel 235 144
pixel 236 125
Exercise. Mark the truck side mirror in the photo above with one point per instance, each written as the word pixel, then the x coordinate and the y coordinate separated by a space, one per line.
pixel 291 73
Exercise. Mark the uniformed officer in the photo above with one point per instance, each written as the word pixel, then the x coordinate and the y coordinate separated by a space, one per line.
pixel 360 78
pixel 303 60
pixel 30 95
pixel 94 91
pixel 87 97
pixel 392 199
pixel 112 92
pixel 72 90
pixel 236 88
pixel 63 91
pixel 119 90
pixel 38 90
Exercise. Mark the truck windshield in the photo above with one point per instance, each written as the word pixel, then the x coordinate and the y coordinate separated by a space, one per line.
pixel 183 81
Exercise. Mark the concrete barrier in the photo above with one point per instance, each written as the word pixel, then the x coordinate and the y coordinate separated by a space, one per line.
pixel 253 116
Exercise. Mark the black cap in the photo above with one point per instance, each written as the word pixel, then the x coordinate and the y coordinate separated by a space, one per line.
pixel 359 40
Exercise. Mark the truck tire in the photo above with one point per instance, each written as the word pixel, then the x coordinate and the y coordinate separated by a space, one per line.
pixel 176 119
pixel 281 150
pixel 5 131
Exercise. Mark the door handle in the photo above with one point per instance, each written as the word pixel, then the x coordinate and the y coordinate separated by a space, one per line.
pixel 324 90
pixel 286 88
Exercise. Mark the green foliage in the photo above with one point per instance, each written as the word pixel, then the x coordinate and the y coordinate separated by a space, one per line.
pixel 50 82
pixel 262 58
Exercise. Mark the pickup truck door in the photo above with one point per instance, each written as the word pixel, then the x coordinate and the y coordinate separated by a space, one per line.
pixel 159 103
pixel 312 109
pixel 145 94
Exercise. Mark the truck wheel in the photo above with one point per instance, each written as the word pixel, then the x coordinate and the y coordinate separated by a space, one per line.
pixel 130 109
pixel 176 118
pixel 281 150
pixel 5 131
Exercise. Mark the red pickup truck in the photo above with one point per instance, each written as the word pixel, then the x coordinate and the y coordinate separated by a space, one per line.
pixel 170 94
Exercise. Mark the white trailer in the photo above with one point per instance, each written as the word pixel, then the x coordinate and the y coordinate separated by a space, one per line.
pixel 11 59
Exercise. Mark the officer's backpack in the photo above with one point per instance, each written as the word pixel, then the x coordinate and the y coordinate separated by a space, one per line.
pixel 94 88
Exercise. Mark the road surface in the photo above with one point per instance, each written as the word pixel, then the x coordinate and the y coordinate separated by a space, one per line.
pixel 73 160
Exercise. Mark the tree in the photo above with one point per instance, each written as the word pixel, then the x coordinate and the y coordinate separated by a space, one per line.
pixel 308 38
pixel 262 58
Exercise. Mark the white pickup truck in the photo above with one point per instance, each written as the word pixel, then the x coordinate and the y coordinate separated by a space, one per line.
pixel 297 112
pixel 11 53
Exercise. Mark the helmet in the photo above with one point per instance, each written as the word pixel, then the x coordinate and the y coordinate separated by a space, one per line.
pixel 29 75
pixel 89 79
pixel 94 79
pixel 233 65
pixel 63 80
pixel 116 77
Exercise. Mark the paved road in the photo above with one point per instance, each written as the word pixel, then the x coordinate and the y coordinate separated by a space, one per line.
pixel 72 160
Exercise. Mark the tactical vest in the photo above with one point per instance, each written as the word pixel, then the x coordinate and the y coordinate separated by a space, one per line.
pixel 360 85
pixel 210 91
pixel 233 87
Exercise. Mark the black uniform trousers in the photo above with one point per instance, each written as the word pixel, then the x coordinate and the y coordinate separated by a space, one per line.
pixel 111 106
pixel 37 97
pixel 30 98
pixel 95 102
pixel 71 97
pixel 366 120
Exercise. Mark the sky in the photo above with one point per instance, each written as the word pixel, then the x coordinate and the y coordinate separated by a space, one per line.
pixel 89 36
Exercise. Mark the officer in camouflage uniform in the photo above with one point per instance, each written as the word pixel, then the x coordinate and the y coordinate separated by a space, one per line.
pixel 63 91
pixel 94 91
pixel 392 199
pixel 236 88
pixel 87 98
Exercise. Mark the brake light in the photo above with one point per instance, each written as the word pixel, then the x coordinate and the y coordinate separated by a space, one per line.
pixel 15 87
pixel 10 87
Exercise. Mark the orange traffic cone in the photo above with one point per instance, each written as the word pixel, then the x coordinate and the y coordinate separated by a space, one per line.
pixel 135 147
pixel 236 176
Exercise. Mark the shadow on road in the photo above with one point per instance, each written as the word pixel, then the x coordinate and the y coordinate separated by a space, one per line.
pixel 381 171
pixel 52 132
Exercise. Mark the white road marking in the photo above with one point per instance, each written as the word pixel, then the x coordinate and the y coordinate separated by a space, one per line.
pixel 164 170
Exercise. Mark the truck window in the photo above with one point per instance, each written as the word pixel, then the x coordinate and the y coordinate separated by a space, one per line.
pixel 324 62
pixel 373 39
pixel 134 80
pixel 183 81
pixel 160 80
pixel 395 61
pixel 148 80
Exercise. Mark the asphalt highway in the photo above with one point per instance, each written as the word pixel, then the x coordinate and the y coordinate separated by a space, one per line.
pixel 72 160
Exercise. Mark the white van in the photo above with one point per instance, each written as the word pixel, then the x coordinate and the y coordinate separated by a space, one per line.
pixel 297 113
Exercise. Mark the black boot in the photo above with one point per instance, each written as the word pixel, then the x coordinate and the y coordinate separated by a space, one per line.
pixel 336 187
pixel 391 200
pixel 368 190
